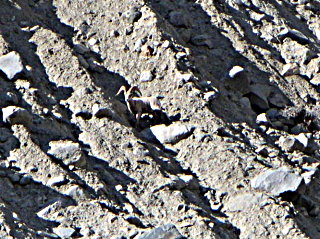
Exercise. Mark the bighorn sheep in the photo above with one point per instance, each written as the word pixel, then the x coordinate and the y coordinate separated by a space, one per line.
pixel 138 105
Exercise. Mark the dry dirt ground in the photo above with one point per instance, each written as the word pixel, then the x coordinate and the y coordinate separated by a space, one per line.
pixel 241 76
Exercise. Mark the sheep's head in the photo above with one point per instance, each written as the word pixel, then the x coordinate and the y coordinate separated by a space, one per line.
pixel 134 90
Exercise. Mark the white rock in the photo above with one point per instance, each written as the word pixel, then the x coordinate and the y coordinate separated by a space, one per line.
pixel 146 76
pixel 210 95
pixel 262 119
pixel 64 232
pixel 11 64
pixel 235 70
pixel 167 134
pixel 302 139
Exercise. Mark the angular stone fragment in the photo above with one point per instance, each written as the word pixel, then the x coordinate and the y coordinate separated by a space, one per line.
pixel 11 64
pixel 290 144
pixel 47 212
pixel 168 231
pixel 67 151
pixel 167 134
pixel 146 76
pixel 16 115
pixel 316 80
pixel 293 52
pixel 277 181
pixel 290 69
pixel 64 232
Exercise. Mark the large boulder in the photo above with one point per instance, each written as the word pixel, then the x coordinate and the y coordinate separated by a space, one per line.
pixel 277 181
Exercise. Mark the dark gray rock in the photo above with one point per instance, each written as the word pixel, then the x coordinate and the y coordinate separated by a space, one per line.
pixel 16 115
pixel 168 231
pixel 11 64
pixel 7 142
pixel 25 179
pixel 203 40
pixel 294 35
pixel 8 98
pixel 167 134
pixel 177 19
pixel 238 80
pixel 277 181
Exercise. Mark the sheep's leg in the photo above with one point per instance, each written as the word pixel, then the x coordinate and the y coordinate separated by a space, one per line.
pixel 138 117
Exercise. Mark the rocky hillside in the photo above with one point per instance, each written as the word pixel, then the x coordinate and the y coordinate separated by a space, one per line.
pixel 233 154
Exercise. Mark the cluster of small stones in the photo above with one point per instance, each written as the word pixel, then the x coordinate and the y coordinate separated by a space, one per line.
pixel 238 80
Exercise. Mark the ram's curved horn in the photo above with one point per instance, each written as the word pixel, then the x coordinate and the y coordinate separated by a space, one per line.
pixel 134 89
pixel 122 89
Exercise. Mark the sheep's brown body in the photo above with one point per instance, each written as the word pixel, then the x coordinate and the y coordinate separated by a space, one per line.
pixel 139 105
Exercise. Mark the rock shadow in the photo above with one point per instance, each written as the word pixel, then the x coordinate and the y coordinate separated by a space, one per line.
pixel 22 203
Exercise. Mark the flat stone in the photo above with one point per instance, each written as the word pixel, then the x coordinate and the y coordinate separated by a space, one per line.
pixel 277 181
pixel 67 151
pixel 235 70
pixel 167 134
pixel 11 64
pixel 101 111
pixel 244 201
pixel 168 231
pixel 64 232
pixel 258 95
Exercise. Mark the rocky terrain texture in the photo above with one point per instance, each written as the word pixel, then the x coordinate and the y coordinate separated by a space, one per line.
pixel 238 79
